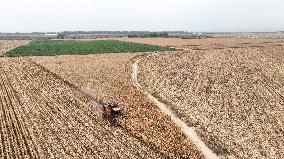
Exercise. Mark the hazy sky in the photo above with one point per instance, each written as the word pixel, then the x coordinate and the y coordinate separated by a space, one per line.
pixel 153 15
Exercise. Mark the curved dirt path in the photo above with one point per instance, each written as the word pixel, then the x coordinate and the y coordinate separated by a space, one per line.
pixel 186 130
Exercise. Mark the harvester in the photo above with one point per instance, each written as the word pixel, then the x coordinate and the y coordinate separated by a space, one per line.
pixel 111 112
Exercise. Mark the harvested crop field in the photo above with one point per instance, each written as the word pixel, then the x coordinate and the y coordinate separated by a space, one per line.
pixel 232 95
pixel 108 77
pixel 234 98
pixel 43 116
pixel 209 43
pixel 7 45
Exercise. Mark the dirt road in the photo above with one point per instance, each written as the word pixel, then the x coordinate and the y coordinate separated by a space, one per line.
pixel 189 132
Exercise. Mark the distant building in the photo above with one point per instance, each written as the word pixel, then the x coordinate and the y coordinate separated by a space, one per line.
pixel 55 35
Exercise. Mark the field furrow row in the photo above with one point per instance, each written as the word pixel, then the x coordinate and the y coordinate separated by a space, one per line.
pixel 58 120
pixel 54 112
pixel 20 145
pixel 64 106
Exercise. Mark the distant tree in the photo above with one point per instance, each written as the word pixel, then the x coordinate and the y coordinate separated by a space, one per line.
pixel 60 36
pixel 132 36
pixel 165 34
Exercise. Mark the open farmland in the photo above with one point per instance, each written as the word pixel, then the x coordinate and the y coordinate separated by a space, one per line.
pixel 7 45
pixel 233 97
pixel 210 43
pixel 42 116
pixel 108 77
pixel 45 116
pixel 79 47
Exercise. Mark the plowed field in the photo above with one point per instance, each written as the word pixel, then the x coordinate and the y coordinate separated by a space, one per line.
pixel 108 77
pixel 230 91
pixel 43 116
pixel 233 97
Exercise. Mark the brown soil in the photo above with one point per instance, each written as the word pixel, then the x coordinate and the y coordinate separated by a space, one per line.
pixel 43 116
pixel 233 97
pixel 108 77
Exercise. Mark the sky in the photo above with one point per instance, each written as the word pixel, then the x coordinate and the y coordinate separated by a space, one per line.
pixel 142 15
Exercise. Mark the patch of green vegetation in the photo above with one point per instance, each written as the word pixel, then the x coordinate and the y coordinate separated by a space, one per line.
pixel 71 47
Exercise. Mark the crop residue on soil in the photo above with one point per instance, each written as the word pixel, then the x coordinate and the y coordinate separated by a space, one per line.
pixel 108 77
pixel 44 117
pixel 233 97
